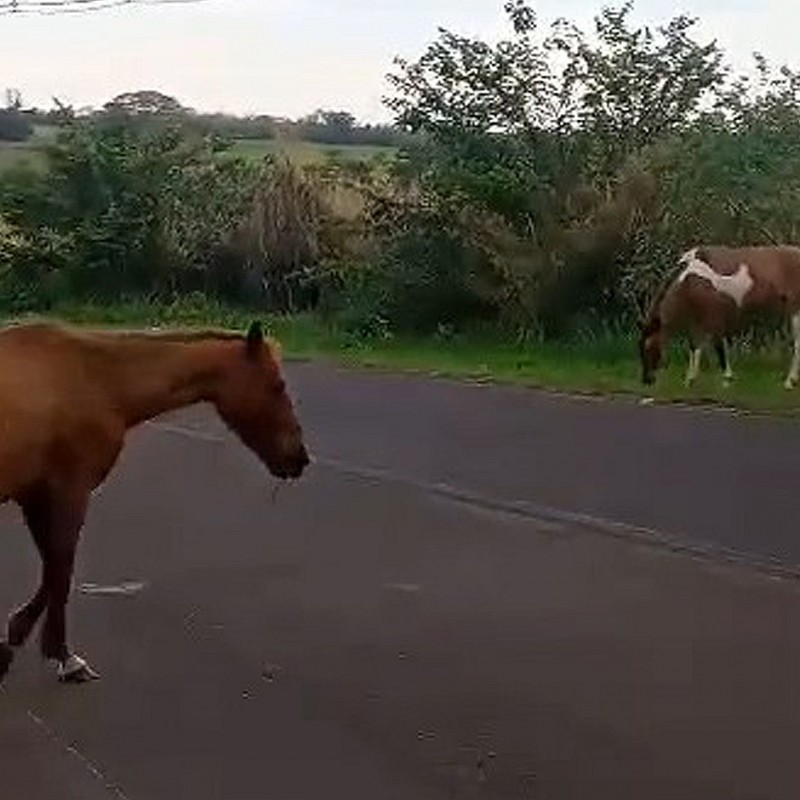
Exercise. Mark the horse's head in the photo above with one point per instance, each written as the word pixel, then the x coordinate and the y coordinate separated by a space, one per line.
pixel 252 399
pixel 651 349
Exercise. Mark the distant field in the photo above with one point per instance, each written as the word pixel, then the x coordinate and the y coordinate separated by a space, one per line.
pixel 17 153
pixel 307 152
pixel 13 154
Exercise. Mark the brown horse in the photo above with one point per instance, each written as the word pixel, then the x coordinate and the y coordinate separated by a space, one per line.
pixel 714 288
pixel 67 399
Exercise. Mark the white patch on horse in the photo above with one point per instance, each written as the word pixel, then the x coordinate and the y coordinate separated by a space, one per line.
pixel 735 286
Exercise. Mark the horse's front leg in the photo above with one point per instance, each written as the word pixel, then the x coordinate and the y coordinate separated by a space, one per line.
pixel 67 521
pixel 36 508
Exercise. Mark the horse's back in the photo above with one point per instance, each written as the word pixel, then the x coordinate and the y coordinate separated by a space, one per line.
pixel 774 269
pixel 29 368
pixel 40 378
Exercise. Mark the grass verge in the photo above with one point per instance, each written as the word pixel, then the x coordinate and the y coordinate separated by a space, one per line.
pixel 602 365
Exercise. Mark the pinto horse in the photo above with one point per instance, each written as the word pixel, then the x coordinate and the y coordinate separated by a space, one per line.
pixel 67 399
pixel 714 287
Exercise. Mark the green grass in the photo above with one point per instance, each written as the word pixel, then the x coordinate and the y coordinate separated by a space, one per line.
pixel 604 365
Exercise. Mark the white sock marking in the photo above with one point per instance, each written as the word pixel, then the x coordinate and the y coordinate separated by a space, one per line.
pixel 694 365
pixel 794 369
pixel 73 665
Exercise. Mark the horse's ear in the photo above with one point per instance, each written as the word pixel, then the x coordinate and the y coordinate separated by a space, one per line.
pixel 255 338
pixel 276 349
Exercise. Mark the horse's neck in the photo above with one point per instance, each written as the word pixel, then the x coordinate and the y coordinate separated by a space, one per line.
pixel 152 377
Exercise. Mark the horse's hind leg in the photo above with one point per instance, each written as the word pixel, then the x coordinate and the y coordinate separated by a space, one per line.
pixel 722 349
pixel 794 369
pixel 36 510
pixel 22 621
pixel 66 522
pixel 6 657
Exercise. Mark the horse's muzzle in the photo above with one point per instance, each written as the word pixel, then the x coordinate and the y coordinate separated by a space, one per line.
pixel 292 467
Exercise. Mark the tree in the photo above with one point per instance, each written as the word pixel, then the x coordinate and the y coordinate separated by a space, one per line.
pixel 13 100
pixel 14 125
pixel 625 91
pixel 330 127
pixel 146 103
pixel 342 120
pixel 539 129
pixel 636 86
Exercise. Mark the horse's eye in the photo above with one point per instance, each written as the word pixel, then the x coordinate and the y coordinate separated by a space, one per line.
pixel 279 387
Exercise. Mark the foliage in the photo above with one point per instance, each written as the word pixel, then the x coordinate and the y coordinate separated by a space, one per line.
pixel 280 238
pixel 597 157
pixel 130 211
pixel 124 210
pixel 634 86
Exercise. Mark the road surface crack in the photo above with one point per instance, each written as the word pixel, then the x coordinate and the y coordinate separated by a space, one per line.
pixel 114 789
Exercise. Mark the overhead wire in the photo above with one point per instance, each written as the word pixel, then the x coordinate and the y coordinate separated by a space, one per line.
pixel 53 7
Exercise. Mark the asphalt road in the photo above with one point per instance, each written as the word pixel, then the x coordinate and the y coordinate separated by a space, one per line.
pixel 439 610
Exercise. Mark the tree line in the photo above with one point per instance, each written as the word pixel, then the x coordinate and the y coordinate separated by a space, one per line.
pixel 149 107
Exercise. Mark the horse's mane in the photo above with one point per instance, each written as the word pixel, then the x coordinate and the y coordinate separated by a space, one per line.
pixel 176 335
pixel 652 321
pixel 172 335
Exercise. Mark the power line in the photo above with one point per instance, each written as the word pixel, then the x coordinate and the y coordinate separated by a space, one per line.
pixel 51 7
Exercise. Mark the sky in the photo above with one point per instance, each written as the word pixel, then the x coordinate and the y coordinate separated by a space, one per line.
pixel 290 57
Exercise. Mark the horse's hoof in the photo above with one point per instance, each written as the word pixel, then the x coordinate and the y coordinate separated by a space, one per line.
pixel 6 657
pixel 76 670
pixel 83 675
